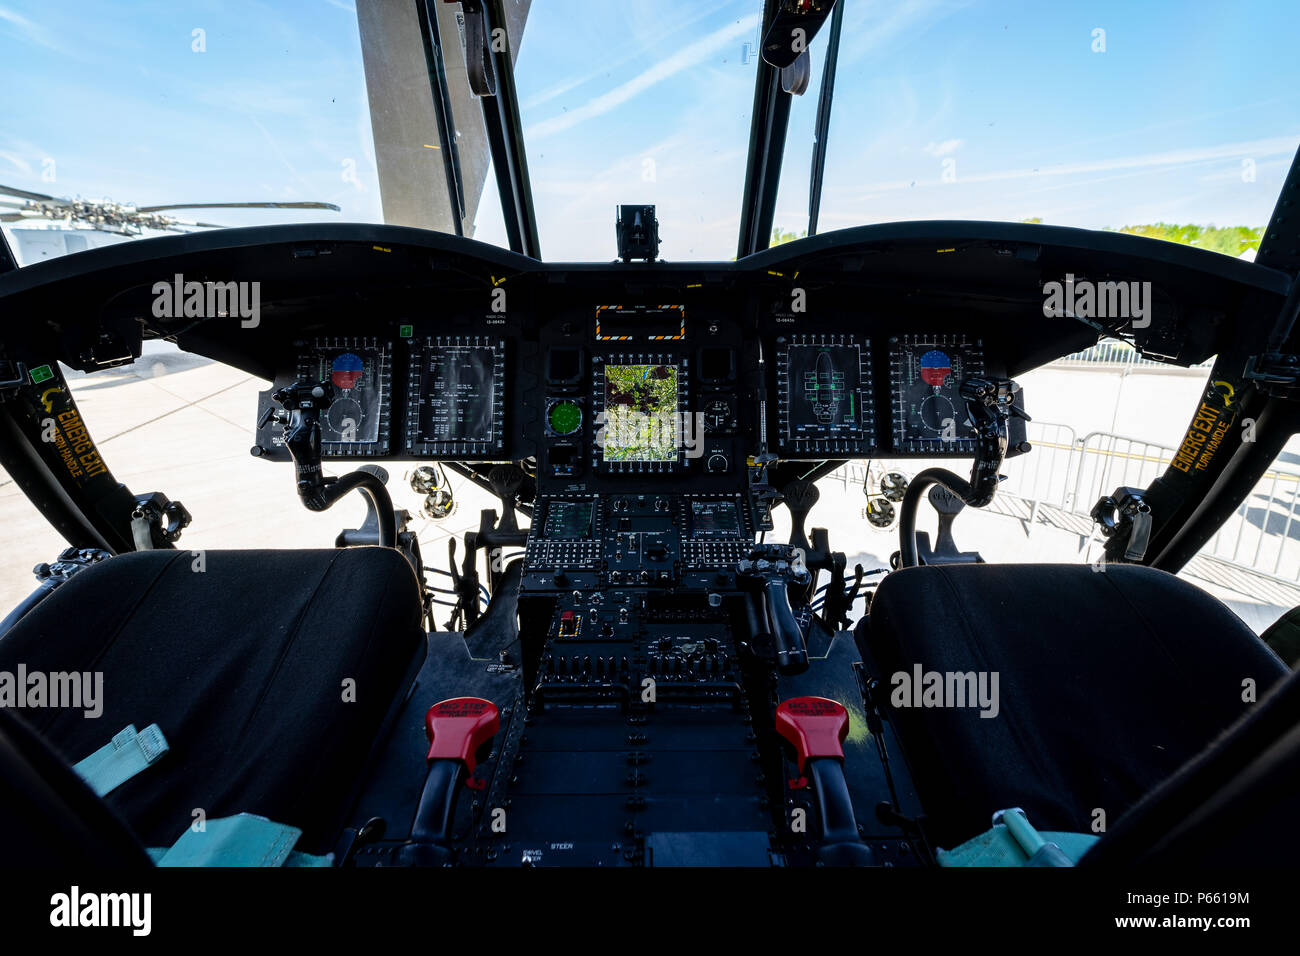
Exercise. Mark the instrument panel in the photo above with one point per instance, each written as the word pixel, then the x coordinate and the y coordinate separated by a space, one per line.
pixel 598 393
pixel 651 540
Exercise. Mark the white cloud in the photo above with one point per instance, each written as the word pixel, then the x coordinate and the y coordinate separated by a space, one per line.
pixel 1277 145
pixel 689 56
pixel 942 149
pixel 16 161
pixel 873 25
pixel 648 37
pixel 32 32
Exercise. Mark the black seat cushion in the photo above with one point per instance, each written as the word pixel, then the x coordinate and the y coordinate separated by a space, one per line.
pixel 1234 804
pixel 1108 682
pixel 269 672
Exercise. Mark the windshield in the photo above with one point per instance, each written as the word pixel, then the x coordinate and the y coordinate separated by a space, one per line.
pixel 152 103
pixel 1173 119
pixel 640 101
pixel 1166 117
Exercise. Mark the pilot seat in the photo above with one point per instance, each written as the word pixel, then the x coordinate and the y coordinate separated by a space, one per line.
pixel 270 673
pixel 1110 679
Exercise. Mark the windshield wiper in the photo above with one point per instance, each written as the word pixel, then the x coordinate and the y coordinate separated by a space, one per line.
pixel 505 130
pixel 767 128
pixel 824 100
pixel 432 37
pixel 788 28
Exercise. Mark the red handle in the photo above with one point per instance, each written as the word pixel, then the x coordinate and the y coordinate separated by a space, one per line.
pixel 458 727
pixel 814 726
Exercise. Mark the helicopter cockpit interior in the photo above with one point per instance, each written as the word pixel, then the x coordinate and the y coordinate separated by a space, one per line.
pixel 638 670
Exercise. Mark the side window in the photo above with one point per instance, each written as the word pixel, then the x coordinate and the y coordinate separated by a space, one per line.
pixel 181 424
pixel 1103 418
pixel 29 540
pixel 1252 563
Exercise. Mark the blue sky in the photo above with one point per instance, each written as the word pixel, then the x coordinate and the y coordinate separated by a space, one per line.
pixel 944 109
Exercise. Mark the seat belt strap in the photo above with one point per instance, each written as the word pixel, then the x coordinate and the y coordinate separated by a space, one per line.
pixel 128 753
pixel 1013 841
pixel 244 840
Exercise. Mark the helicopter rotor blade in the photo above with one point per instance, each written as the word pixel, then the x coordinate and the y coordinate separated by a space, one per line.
pixel 181 224
pixel 24 194
pixel 241 205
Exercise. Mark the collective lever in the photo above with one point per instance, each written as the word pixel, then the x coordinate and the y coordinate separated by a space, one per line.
pixel 774 568
pixel 457 729
pixel 816 728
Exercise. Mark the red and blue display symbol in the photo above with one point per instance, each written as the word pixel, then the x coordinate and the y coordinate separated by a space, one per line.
pixel 936 366
pixel 346 370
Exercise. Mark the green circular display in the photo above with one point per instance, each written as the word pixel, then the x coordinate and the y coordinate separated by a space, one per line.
pixel 564 417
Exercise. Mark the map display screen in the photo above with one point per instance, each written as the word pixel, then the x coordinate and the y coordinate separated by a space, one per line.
pixel 640 414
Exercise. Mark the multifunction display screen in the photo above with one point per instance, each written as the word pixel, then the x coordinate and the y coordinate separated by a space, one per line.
pixel 825 394
pixel 640 414
pixel 458 402
pixel 569 519
pixel 929 412
pixel 715 519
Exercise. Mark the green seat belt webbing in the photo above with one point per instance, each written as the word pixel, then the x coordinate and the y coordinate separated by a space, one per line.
pixel 1013 841
pixel 239 841
pixel 122 758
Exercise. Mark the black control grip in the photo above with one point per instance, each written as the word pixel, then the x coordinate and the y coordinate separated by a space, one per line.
pixel 436 813
pixel 840 843
pixel 791 652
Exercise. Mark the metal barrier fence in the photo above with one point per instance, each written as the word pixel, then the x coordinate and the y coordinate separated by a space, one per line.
pixel 1262 537
pixel 1114 352
pixel 1047 474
